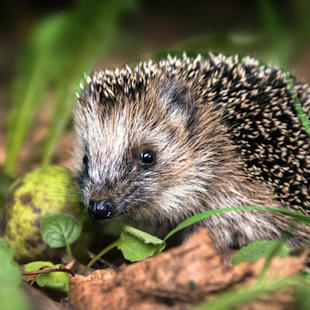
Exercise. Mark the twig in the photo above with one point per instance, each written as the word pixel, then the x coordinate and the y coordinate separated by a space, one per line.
pixel 47 270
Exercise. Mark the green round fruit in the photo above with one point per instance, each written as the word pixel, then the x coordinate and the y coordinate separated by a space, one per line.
pixel 30 198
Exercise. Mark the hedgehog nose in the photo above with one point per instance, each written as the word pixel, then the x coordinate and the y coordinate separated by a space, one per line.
pixel 100 209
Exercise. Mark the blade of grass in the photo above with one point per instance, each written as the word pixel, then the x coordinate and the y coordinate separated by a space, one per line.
pixel 21 119
pixel 301 114
pixel 30 85
pixel 198 217
pixel 235 298
pixel 62 116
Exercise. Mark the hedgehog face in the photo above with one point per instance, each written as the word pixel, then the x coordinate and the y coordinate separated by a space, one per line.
pixel 129 150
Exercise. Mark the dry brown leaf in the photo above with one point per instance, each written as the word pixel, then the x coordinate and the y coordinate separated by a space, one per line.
pixel 175 279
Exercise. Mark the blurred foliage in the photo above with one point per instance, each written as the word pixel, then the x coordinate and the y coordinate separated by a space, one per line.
pixel 258 249
pixel 5 182
pixel 273 30
pixel 65 45
pixel 56 54
pixel 279 40
pixel 10 279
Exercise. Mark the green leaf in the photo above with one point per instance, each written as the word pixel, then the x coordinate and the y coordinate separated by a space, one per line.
pixel 258 249
pixel 60 229
pixel 137 245
pixel 37 265
pixel 10 279
pixel 53 280
pixel 142 236
pixel 134 244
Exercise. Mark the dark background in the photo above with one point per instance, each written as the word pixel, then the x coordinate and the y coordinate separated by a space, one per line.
pixel 276 32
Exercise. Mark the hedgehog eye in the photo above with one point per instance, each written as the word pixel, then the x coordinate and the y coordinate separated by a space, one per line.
pixel 85 161
pixel 147 157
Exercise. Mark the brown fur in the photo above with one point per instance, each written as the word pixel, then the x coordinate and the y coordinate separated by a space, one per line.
pixel 182 109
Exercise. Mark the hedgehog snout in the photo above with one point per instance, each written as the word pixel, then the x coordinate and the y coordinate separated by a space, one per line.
pixel 101 209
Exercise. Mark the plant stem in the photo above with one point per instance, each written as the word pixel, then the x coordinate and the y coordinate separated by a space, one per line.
pixel 105 250
pixel 69 253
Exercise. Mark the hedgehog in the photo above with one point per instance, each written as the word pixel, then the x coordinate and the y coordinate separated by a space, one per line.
pixel 161 141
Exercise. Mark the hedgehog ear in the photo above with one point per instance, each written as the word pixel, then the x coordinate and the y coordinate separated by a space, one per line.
pixel 178 98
